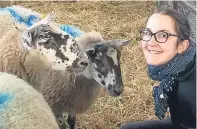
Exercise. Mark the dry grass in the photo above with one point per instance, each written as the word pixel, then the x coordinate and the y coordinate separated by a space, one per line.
pixel 115 20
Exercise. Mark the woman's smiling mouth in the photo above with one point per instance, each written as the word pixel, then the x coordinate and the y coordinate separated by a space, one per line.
pixel 154 52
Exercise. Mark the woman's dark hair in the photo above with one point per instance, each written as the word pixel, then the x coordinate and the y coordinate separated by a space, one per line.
pixel 182 25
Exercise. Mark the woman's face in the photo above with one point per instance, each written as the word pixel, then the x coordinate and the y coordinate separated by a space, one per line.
pixel 159 53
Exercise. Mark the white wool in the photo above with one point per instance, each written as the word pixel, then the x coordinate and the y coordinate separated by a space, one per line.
pixel 24 106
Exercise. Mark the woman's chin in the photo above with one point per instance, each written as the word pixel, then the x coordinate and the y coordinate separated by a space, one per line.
pixel 154 62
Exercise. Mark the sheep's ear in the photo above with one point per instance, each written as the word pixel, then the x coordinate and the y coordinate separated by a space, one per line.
pixel 50 17
pixel 119 42
pixel 29 38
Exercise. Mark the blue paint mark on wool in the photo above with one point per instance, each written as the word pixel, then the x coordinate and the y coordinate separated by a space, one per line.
pixel 5 98
pixel 72 30
pixel 31 19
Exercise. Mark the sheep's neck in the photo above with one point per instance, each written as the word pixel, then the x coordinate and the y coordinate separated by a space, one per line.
pixel 88 72
pixel 36 71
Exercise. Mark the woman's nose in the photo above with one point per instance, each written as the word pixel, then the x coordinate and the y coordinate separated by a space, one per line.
pixel 152 42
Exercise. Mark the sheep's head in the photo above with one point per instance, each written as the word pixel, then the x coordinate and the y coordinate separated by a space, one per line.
pixel 105 60
pixel 58 48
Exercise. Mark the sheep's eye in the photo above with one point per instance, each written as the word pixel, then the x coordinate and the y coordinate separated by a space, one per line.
pixel 97 60
pixel 46 42
pixel 49 41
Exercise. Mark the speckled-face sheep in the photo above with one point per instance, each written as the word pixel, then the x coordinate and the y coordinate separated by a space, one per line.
pixel 22 107
pixel 103 71
pixel 30 52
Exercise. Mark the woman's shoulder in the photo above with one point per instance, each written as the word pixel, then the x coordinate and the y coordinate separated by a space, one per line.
pixel 186 94
pixel 189 74
pixel 188 80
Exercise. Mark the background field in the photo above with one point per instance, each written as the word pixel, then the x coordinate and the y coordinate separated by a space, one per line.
pixel 115 20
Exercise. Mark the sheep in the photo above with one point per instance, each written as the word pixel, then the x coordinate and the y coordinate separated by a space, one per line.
pixel 103 71
pixel 22 107
pixel 7 23
pixel 31 52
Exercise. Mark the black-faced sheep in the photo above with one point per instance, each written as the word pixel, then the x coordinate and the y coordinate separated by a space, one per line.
pixel 22 107
pixel 31 52
pixel 64 95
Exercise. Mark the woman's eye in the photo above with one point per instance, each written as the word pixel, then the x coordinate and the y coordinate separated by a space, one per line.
pixel 147 33
pixel 162 35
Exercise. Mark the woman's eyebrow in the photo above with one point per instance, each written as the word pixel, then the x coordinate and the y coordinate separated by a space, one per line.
pixel 163 30
pixel 148 29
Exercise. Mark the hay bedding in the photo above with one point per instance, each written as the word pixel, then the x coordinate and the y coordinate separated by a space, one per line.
pixel 114 20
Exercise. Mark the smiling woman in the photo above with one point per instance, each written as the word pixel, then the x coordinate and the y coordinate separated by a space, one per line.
pixel 164 46
pixel 170 57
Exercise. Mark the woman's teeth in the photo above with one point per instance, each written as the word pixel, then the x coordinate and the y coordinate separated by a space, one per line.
pixel 154 52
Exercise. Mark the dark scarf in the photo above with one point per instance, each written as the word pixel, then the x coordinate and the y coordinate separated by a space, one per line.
pixel 168 75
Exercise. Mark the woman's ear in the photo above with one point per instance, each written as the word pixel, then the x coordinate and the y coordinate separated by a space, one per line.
pixel 183 46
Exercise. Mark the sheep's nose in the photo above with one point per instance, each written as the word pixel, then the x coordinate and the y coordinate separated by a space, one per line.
pixel 115 90
pixel 83 63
